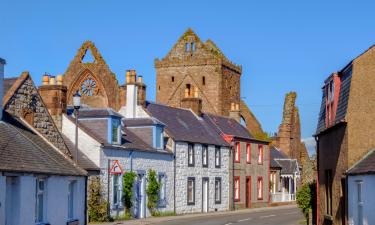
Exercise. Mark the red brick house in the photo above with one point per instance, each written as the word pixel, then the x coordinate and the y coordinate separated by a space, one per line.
pixel 345 133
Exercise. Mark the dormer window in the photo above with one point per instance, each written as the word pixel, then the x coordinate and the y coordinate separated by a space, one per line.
pixel 331 99
pixel 115 131
pixel 159 137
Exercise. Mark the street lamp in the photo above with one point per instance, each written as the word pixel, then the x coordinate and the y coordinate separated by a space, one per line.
pixel 77 105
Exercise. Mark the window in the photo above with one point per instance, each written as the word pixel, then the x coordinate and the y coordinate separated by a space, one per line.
pixel 116 189
pixel 115 131
pixel 217 190
pixel 191 155
pixel 71 190
pixel 188 91
pixel 163 189
pixel 328 187
pixel 203 80
pixel 204 156
pixel 187 47
pixel 237 152
pixel 248 153
pixel 360 201
pixel 159 138
pixel 236 189
pixel 193 47
pixel 172 78
pixel 260 154
pixel 40 199
pixel 217 157
pixel 260 188
pixel 191 191
pixel 159 87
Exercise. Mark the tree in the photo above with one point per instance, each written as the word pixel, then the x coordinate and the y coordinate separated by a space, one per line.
pixel 97 206
pixel 306 198
pixel 152 191
pixel 127 190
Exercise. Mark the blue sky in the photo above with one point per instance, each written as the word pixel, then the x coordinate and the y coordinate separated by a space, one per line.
pixel 282 45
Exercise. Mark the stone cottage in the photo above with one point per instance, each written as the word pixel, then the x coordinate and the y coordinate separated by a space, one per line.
pixel 39 181
pixel 345 133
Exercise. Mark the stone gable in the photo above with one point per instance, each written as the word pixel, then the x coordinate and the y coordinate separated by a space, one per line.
pixel 26 103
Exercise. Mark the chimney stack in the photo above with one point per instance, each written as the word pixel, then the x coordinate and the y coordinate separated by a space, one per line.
pixel 131 93
pixel 53 93
pixel 141 91
pixel 192 100
pixel 235 112
pixel 2 64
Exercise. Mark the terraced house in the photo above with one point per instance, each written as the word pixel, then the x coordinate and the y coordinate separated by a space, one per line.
pixel 39 181
pixel 345 134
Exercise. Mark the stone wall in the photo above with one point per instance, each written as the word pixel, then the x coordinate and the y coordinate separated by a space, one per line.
pixel 26 103
pixel 183 172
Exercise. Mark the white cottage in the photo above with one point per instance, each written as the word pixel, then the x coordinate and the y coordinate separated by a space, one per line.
pixel 361 187
pixel 39 182
pixel 105 140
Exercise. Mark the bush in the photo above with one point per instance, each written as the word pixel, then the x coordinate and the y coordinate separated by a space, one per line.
pixel 152 191
pixel 306 198
pixel 97 205
pixel 127 191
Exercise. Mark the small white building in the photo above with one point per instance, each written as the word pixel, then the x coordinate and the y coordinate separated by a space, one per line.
pixel 39 183
pixel 361 191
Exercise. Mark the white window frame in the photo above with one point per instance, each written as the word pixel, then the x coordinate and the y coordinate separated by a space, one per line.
pixel 72 187
pixel 217 157
pixel 117 190
pixel 39 192
pixel 190 181
pixel 191 155
pixel 162 179
pixel 204 156
pixel 237 184
pixel 217 190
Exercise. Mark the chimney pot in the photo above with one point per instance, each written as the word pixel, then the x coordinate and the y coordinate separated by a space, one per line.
pixel 140 80
pixel 45 79
pixel 52 80
pixel 59 79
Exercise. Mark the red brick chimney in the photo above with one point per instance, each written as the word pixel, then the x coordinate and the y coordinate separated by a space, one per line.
pixel 53 93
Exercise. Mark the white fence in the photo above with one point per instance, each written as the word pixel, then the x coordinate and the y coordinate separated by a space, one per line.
pixel 282 197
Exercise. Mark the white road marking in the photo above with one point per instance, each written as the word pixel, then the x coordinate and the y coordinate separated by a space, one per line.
pixel 228 223
pixel 290 213
pixel 267 216
pixel 239 221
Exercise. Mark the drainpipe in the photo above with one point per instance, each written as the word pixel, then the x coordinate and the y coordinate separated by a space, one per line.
pixel 86 189
pixel 109 183
pixel 317 180
pixel 232 151
pixel 174 177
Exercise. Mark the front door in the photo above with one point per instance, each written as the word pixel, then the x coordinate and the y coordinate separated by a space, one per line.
pixel 248 192
pixel 12 200
pixel 205 192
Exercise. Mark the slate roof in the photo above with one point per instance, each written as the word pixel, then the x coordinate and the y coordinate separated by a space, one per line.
pixel 364 166
pixel 288 166
pixel 345 76
pixel 276 154
pixel 83 160
pixel 95 112
pixel 23 150
pixel 227 126
pixel 142 122
pixel 184 125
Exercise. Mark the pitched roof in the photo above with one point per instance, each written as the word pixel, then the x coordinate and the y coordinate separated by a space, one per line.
pixel 98 112
pixel 184 125
pixel 24 150
pixel 227 126
pixel 364 166
pixel 288 166
pixel 345 77
pixel 146 121
pixel 276 154
pixel 83 161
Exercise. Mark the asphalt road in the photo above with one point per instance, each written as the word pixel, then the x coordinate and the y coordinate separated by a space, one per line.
pixel 276 216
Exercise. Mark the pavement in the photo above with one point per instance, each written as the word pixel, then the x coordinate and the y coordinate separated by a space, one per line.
pixel 280 215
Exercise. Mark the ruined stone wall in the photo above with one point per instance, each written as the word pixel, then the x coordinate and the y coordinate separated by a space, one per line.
pixel 26 103
pixel 230 90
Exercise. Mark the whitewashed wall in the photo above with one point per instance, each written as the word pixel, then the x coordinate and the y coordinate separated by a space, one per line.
pixel 183 172
pixel 89 146
pixel 368 198
pixel 56 200
pixel 142 162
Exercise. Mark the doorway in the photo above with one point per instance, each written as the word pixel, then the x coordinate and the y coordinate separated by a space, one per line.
pixel 205 191
pixel 248 192
pixel 12 200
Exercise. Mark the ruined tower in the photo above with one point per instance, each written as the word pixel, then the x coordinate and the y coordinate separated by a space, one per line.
pixel 194 66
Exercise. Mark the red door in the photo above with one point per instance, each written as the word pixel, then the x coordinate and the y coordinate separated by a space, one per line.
pixel 248 192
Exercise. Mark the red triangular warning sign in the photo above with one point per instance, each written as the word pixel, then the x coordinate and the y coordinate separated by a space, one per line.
pixel 116 168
